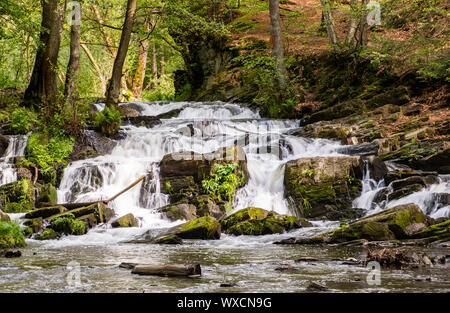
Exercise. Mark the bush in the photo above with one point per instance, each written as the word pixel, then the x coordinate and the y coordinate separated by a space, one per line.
pixel 223 182
pixel 22 121
pixel 11 235
pixel 108 121
pixel 68 225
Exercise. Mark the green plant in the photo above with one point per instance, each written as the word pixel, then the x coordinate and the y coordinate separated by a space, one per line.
pixel 22 121
pixel 68 225
pixel 11 235
pixel 222 182
pixel 308 172
pixel 108 121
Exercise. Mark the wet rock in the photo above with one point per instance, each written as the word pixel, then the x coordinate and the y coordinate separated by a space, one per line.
pixel 377 167
pixel 68 225
pixel 179 211
pixel 287 268
pixel 48 234
pixel 169 240
pixel 4 217
pixel 397 258
pixel 439 231
pixel 4 143
pixel 11 254
pixel 47 193
pixel 228 285
pixel 99 210
pixel 170 114
pixel 365 149
pixel 179 187
pixel 346 214
pixel 323 184
pixel 91 144
pixel 437 162
pixel 17 197
pixel 45 212
pixel 125 221
pixel 128 112
pixel 313 287
pixel 24 173
pixel 401 193
pixel 401 183
pixel 406 173
pixel 35 224
pixel 255 221
pixel 207 207
pixel 142 121
pixel 206 228
pixel 128 266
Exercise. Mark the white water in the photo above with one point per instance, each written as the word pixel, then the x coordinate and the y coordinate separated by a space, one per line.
pixel 16 148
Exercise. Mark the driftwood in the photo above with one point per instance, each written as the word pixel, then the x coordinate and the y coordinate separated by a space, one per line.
pixel 73 206
pixel 168 270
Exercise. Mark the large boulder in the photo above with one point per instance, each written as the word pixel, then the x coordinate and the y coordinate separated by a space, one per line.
pixel 91 144
pixel 439 231
pixel 46 193
pixel 207 207
pixel 322 185
pixel 17 197
pixel 256 221
pixel 125 221
pixel 11 235
pixel 179 211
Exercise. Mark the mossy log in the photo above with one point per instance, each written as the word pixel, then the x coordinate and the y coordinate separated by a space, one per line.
pixel 168 270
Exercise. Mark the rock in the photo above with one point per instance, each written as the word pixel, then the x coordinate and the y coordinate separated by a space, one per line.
pixel 169 240
pixel 413 110
pixel 255 221
pixel 125 221
pixel 47 193
pixel 397 258
pixel 100 210
pixel 321 185
pixel 394 223
pixel 4 143
pixel 11 235
pixel 405 173
pixel 45 212
pixel 207 207
pixel 128 112
pixel 17 197
pixel 365 149
pixel 35 224
pixel 24 173
pixel 68 225
pixel 142 121
pixel 377 168
pixel 403 192
pixel 4 217
pixel 206 228
pixel 440 161
pixel 168 270
pixel 439 231
pixel 316 287
pixel 11 254
pixel 401 183
pixel 179 211
pixel 397 96
pixel 48 234
pixel 343 109
pixel 128 266
pixel 91 144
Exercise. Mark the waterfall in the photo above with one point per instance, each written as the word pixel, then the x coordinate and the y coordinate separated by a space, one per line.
pixel 16 148
pixel 370 189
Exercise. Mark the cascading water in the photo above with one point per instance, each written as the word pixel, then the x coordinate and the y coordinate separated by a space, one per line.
pixel 16 148
pixel 370 189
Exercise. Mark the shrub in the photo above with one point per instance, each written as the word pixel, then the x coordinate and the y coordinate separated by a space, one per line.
pixel 11 235
pixel 108 121
pixel 68 225
pixel 22 121
pixel 223 182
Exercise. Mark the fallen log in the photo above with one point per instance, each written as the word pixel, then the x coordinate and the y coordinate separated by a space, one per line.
pixel 73 206
pixel 168 270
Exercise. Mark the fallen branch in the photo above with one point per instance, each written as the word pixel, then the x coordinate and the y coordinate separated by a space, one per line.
pixel 168 270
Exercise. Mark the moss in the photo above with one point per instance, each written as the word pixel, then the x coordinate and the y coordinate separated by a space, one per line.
pixel 45 212
pixel 48 234
pixel 68 225
pixel 47 193
pixel 17 197
pixel 205 227
pixel 11 235
pixel 27 232
pixel 437 231
pixel 169 240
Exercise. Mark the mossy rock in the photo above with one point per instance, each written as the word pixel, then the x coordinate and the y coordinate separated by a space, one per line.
pixel 205 228
pixel 179 211
pixel 125 221
pixel 45 212
pixel 47 194
pixel 4 217
pixel 11 235
pixel 48 234
pixel 256 222
pixel 439 231
pixel 17 197
pixel 169 240
pixel 68 225
pixel 206 206
pixel 35 224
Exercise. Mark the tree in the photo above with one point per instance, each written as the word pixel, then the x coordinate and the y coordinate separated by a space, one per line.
pixel 113 93
pixel 329 21
pixel 74 59
pixel 277 43
pixel 43 83
pixel 139 76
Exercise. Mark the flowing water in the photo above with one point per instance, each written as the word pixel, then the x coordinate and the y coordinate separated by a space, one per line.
pixel 250 262
pixel 16 148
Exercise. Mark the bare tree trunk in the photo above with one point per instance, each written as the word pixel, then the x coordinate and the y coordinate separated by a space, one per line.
pixel 163 61
pixel 277 43
pixel 363 25
pixel 74 60
pixel 139 76
pixel 154 62
pixel 109 41
pixel 113 94
pixel 354 21
pixel 96 68
pixel 43 85
pixel 329 21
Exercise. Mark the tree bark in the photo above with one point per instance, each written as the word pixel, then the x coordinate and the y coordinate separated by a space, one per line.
pixel 350 38
pixel 168 270
pixel 154 62
pixel 139 76
pixel 363 25
pixel 113 94
pixel 329 21
pixel 96 68
pixel 74 60
pixel 43 86
pixel 277 43
pixel 163 61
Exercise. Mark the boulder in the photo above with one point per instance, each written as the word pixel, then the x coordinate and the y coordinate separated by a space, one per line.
pixel 406 173
pixel 4 217
pixel 125 221
pixel 68 225
pixel 207 207
pixel 4 143
pixel 91 144
pixel 364 149
pixel 24 173
pixel 17 197
pixel 405 191
pixel 397 96
pixel 169 240
pixel 256 221
pixel 319 185
pixel 179 211
pixel 48 234
pixel 439 231
pixel 45 212
pixel 142 121
pixel 100 210
pixel 47 193
pixel 378 169
pixel 35 224
pixel 11 235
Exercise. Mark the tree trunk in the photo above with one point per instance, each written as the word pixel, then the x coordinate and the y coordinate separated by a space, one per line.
pixel 113 94
pixel 96 68
pixel 43 83
pixel 277 43
pixel 139 76
pixel 163 61
pixel 354 20
pixel 168 270
pixel 363 25
pixel 74 59
pixel 329 21
pixel 154 63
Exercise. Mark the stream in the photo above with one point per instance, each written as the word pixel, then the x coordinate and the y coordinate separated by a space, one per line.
pixel 247 263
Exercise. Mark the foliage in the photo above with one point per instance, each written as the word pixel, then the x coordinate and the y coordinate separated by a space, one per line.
pixel 22 121
pixel 68 225
pixel 11 235
pixel 222 182
pixel 108 121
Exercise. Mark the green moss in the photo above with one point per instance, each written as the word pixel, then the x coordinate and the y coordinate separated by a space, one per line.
pixel 17 197
pixel 11 235
pixel 168 240
pixel 68 225
pixel 205 227
pixel 27 232
pixel 48 234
